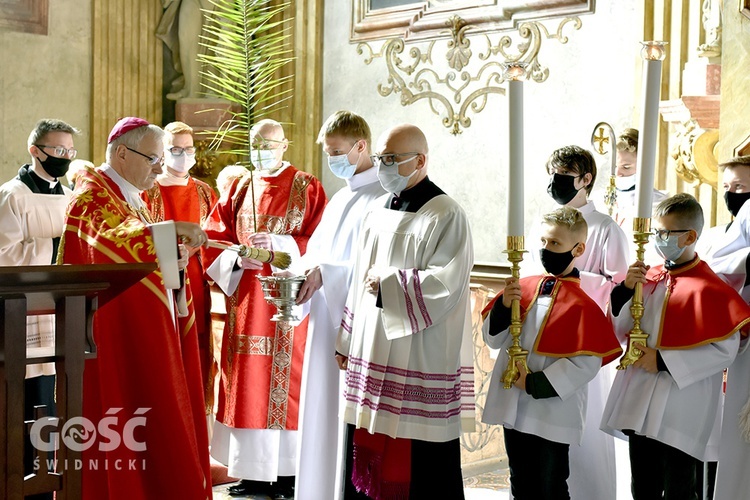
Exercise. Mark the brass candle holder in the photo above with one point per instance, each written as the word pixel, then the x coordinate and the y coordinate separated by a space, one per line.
pixel 641 233
pixel 610 196
pixel 515 253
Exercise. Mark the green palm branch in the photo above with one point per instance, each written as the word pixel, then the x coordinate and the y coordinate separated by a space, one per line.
pixel 247 42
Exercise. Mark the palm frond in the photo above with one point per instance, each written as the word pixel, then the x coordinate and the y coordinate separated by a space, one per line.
pixel 248 46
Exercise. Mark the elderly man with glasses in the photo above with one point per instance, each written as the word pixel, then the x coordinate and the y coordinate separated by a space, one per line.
pixel 278 209
pixel 32 212
pixel 141 335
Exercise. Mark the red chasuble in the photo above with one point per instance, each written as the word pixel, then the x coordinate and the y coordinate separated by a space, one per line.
pixel 139 368
pixel 191 203
pixel 575 325
pixel 692 291
pixel 262 360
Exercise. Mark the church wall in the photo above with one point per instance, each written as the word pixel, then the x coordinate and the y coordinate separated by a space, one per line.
pixel 591 78
pixel 45 77
pixel 734 130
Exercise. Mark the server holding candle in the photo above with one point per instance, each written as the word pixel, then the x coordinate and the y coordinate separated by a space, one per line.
pixel 602 264
pixel 568 339
pixel 667 401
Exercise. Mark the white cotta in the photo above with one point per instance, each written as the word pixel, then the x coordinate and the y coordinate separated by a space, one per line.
pixel 332 248
pixel 407 359
pixel 28 223
pixel 727 256
pixel 681 407
pixel 603 265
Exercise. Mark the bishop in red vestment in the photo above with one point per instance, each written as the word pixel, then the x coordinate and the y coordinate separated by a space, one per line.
pixel 137 383
pixel 261 360
pixel 179 196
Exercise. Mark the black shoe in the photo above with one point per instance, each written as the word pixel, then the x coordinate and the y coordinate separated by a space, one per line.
pixel 247 487
pixel 283 488
pixel 283 493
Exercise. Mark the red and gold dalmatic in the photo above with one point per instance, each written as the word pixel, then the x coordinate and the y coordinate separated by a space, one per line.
pixel 139 367
pixel 262 360
pixel 191 203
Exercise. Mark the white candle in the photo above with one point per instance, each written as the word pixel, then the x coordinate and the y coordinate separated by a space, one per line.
pixel 653 53
pixel 515 133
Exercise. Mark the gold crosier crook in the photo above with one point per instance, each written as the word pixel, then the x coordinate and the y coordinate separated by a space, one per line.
pixel 515 253
pixel 641 232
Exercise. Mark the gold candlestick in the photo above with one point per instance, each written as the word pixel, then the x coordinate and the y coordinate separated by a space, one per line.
pixel 515 253
pixel 641 232
pixel 610 197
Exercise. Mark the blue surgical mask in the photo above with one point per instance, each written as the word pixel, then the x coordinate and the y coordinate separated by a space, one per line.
pixel 263 159
pixel 670 250
pixel 340 165
pixel 391 180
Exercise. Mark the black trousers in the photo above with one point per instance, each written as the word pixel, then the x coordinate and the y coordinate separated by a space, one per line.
pixel 661 471
pixel 539 468
pixel 435 470
pixel 38 391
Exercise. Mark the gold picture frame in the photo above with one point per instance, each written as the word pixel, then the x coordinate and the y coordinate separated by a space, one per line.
pixel 424 20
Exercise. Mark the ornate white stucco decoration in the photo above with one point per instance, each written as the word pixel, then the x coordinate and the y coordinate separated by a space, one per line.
pixel 455 76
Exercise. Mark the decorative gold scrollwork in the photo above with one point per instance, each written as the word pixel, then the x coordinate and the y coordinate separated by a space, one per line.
pixel 694 154
pixel 458 89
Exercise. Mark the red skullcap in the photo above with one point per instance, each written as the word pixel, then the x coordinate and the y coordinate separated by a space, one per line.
pixel 124 126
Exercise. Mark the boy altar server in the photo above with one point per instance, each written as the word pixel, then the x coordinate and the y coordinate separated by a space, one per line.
pixel 667 402
pixel 568 339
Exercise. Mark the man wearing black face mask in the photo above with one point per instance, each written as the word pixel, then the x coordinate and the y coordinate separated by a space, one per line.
pixel 726 249
pixel 736 180
pixel 32 213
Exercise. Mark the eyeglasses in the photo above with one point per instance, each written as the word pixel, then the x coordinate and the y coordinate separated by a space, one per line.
pixel 60 151
pixel 663 234
pixel 177 151
pixel 389 160
pixel 261 143
pixel 152 160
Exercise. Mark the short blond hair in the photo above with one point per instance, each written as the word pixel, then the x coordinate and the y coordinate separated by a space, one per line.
pixel 569 218
pixel 176 128
pixel 345 124
pixel 683 207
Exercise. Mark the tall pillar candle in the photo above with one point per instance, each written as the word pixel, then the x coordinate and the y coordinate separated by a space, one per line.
pixel 653 54
pixel 515 133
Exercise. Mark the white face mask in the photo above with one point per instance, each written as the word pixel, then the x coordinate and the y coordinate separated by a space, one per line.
pixel 391 180
pixel 181 164
pixel 625 183
pixel 669 250
pixel 340 165
pixel 263 159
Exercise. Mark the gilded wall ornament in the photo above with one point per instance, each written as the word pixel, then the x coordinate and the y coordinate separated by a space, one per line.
pixel 452 79
pixel 694 154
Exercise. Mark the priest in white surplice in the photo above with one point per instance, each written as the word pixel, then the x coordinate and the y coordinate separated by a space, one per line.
pixel 602 265
pixel 32 216
pixel 406 321
pixel 346 139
